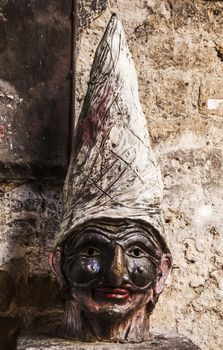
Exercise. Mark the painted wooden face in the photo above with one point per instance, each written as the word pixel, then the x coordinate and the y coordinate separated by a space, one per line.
pixel 112 266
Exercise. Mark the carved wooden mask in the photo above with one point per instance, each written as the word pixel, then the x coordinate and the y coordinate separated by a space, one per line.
pixel 111 259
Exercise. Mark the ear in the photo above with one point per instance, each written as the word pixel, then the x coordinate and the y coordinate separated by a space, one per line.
pixel 164 269
pixel 55 260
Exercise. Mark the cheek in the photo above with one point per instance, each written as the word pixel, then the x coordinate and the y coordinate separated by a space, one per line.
pixel 141 271
pixel 83 270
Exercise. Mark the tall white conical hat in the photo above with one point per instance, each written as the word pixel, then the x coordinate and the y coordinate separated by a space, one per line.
pixel 113 172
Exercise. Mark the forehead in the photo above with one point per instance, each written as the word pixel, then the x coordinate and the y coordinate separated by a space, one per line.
pixel 113 230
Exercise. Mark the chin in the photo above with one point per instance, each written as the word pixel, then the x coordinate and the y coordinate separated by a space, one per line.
pixel 111 304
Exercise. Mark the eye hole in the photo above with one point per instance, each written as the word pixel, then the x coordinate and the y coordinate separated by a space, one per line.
pixel 136 252
pixel 91 252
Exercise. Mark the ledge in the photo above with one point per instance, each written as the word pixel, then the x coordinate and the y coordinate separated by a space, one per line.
pixel 158 342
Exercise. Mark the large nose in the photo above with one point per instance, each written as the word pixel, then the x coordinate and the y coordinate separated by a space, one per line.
pixel 117 266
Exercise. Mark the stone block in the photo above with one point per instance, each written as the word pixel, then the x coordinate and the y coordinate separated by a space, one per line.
pixel 6 290
pixel 88 9
pixel 174 95
pixel 35 71
pixel 206 14
pixel 9 328
pixel 38 291
pixel 159 342
pixel 34 88
pixel 211 95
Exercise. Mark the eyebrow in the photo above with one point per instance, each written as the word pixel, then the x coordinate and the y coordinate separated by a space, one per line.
pixel 84 238
pixel 89 235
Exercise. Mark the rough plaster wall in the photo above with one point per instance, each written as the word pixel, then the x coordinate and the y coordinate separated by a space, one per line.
pixel 177 47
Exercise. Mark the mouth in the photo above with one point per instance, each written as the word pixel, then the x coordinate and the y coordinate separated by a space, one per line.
pixel 112 293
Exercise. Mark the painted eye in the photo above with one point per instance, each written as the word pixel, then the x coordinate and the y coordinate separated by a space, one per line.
pixel 91 252
pixel 136 252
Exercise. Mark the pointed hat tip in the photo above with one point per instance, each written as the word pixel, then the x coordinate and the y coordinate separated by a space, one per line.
pixel 114 20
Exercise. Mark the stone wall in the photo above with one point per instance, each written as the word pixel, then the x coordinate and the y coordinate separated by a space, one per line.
pixel 30 214
pixel 177 47
pixel 35 71
pixel 35 64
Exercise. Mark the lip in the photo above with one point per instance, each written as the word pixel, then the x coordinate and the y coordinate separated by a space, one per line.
pixel 113 293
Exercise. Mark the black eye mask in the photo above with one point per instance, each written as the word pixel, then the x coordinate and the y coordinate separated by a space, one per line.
pixel 90 253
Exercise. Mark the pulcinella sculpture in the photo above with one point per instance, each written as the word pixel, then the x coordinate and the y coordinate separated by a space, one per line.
pixel 111 260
